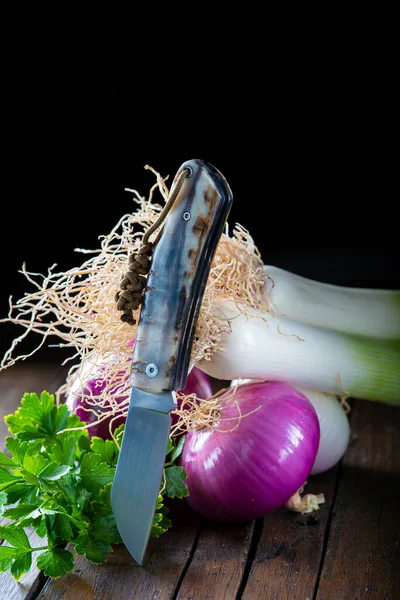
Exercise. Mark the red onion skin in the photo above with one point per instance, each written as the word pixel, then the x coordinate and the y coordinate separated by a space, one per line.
pixel 76 400
pixel 197 382
pixel 246 473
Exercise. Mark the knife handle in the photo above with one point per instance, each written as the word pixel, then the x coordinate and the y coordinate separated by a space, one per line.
pixel 177 278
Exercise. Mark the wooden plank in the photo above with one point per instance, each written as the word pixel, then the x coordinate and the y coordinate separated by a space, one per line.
pixel 218 564
pixel 363 555
pixel 14 382
pixel 287 558
pixel 159 577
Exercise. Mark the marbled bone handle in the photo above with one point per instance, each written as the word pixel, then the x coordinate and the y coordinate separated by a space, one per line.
pixel 177 278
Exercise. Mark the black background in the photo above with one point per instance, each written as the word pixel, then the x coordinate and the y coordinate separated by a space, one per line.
pixel 307 148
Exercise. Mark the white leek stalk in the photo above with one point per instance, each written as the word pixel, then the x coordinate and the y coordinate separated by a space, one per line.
pixel 375 313
pixel 264 346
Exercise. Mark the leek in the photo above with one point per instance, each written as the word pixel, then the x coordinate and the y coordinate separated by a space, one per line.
pixel 261 345
pixel 370 312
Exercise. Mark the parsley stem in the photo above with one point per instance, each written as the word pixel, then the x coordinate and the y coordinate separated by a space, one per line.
pixel 39 548
pixel 48 531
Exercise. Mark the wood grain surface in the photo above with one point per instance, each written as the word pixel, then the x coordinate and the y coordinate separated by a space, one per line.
pixel 348 550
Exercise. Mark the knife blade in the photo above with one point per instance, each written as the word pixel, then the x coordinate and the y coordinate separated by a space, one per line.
pixel 172 299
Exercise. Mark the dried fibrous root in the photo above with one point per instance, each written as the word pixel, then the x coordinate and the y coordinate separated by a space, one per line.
pixel 237 273
pixel 195 413
pixel 344 404
pixel 77 306
pixel 304 504
pixel 76 309
pixel 343 397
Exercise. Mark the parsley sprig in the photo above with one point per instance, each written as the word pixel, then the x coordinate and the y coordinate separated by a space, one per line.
pixel 57 480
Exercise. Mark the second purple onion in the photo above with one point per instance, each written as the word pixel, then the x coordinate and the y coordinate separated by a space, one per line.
pixel 243 474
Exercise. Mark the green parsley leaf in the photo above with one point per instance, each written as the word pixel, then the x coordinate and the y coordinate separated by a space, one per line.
pixel 62 527
pixel 105 528
pixel 59 510
pixel 93 548
pixel 34 464
pixel 20 511
pixel 64 450
pixel 53 471
pixel 21 491
pixel 118 434
pixel 94 473
pixel 7 556
pixel 15 536
pixel 74 421
pixel 7 478
pixel 105 448
pixel 175 484
pixel 33 412
pixel 21 565
pixel 56 562
pixel 84 444
pixel 7 462
pixel 74 492
pixel 102 505
pixel 18 556
pixel 161 522
pixel 41 529
pixel 170 446
pixel 17 448
pixel 176 451
pixel 3 502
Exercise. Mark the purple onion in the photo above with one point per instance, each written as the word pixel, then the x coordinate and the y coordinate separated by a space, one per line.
pixel 78 402
pixel 198 383
pixel 77 399
pixel 240 475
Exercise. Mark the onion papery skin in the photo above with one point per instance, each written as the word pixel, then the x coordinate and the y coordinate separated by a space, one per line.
pixel 241 475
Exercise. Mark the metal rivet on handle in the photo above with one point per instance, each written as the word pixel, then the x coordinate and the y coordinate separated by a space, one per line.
pixel 186 215
pixel 151 370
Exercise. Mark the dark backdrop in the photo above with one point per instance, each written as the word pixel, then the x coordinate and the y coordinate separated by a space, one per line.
pixel 309 159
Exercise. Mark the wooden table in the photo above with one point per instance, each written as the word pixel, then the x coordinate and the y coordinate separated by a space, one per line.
pixel 348 550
